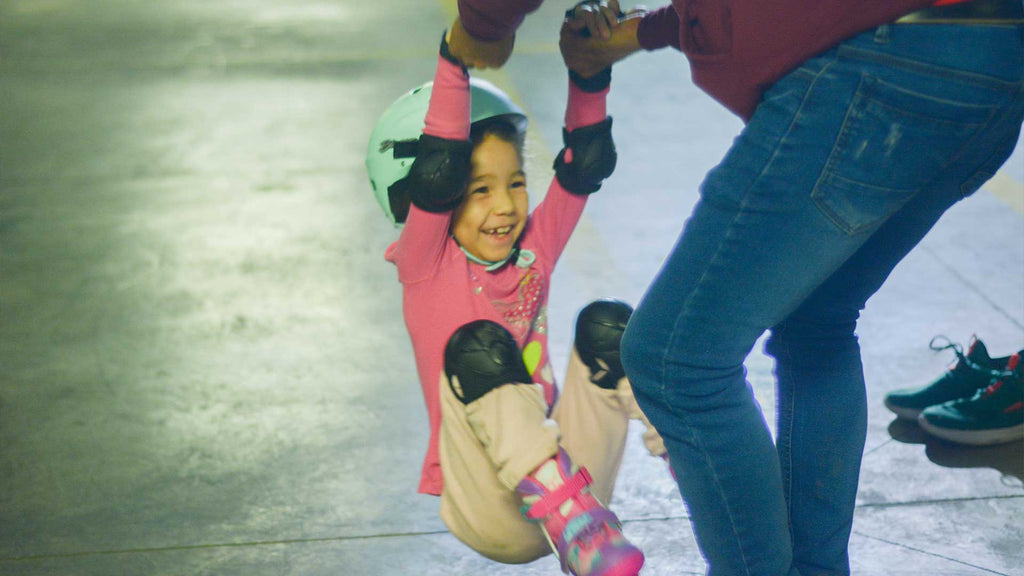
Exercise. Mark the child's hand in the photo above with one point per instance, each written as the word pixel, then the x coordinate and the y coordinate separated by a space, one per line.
pixel 587 54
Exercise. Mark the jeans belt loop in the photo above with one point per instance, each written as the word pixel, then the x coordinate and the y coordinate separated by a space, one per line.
pixel 883 34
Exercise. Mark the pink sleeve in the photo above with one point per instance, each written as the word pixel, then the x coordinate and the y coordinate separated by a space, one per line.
pixel 448 114
pixel 585 108
pixel 555 218
pixel 421 245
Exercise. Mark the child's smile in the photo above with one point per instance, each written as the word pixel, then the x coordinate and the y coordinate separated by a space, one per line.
pixel 494 211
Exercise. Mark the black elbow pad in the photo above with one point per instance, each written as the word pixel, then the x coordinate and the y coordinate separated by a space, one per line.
pixel 437 179
pixel 593 158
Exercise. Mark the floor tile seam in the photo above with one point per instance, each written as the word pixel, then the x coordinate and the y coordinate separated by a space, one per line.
pixel 260 543
pixel 927 553
pixel 339 539
pixel 971 285
pixel 192 547
pixel 937 501
pixel 863 505
pixel 874 449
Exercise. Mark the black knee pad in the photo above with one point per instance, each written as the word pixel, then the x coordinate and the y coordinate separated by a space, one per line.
pixel 483 355
pixel 599 329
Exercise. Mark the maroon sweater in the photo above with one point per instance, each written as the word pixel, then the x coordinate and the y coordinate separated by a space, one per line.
pixel 736 48
pixel 494 19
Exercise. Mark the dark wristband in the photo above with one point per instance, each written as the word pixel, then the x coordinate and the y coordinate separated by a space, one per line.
pixel 446 53
pixel 595 83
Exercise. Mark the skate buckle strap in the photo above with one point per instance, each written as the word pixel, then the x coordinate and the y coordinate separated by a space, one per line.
pixel 552 500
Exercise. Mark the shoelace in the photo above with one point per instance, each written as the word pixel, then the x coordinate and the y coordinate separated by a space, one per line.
pixel 950 345
pixel 963 362
pixel 997 380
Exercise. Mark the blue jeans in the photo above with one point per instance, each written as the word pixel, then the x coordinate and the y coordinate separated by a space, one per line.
pixel 845 166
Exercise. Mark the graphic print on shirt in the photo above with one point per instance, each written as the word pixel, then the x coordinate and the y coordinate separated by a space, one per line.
pixel 527 319
pixel 532 353
pixel 523 313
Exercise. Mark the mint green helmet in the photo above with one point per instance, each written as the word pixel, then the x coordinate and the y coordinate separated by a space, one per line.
pixel 403 122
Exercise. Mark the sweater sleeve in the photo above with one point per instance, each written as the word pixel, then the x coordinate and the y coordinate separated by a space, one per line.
pixel 448 113
pixel 421 245
pixel 555 218
pixel 585 108
pixel 659 29
pixel 491 20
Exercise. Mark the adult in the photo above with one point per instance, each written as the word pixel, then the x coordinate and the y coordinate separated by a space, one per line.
pixel 865 121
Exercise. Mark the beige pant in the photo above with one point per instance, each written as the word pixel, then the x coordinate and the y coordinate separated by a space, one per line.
pixel 488 446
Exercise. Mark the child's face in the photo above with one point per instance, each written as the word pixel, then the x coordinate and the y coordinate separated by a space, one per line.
pixel 493 213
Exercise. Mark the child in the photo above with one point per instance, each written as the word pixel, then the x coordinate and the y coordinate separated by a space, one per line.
pixel 475 267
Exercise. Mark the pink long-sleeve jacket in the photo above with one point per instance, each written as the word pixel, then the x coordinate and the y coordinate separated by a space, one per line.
pixel 442 290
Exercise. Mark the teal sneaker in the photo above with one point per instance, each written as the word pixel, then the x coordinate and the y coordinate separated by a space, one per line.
pixel 994 415
pixel 970 373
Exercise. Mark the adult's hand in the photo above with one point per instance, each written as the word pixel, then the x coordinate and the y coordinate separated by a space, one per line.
pixel 588 55
pixel 474 53
pixel 597 17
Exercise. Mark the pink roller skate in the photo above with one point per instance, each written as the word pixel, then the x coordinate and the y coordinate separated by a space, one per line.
pixel 585 535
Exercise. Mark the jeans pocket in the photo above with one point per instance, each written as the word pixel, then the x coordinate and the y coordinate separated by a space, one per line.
pixel 893 142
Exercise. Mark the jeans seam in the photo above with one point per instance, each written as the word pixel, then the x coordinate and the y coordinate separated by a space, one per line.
pixel 983 174
pixel 994 118
pixel 863 92
pixel 685 309
pixel 790 408
pixel 706 454
pixel 838 149
pixel 789 129
pixel 952 74
pixel 718 487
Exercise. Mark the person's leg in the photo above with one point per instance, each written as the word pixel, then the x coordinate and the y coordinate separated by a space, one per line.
pixel 818 357
pixel 820 380
pixel 486 447
pixel 835 149
pixel 593 426
pixel 597 402
pixel 510 492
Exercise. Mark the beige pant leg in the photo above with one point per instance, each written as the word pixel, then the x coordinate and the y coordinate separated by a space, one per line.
pixel 652 440
pixel 486 448
pixel 594 422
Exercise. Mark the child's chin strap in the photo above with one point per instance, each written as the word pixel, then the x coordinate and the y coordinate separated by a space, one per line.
pixel 523 258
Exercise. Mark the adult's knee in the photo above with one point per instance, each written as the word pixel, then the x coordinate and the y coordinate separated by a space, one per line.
pixel 812 340
pixel 481 356
pixel 599 329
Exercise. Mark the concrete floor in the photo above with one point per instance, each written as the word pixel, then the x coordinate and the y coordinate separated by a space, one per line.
pixel 203 366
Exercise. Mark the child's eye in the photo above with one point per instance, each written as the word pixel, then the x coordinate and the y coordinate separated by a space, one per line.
pixel 479 190
pixel 519 184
